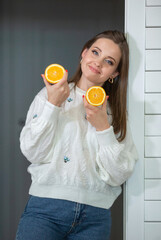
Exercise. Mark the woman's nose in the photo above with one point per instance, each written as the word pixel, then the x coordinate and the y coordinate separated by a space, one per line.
pixel 98 63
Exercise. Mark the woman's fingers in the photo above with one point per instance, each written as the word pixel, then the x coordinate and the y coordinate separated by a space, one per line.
pixel 87 105
pixel 97 116
pixel 60 83
pixel 57 93
pixel 95 108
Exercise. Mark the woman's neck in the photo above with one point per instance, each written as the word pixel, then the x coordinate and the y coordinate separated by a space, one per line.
pixel 84 84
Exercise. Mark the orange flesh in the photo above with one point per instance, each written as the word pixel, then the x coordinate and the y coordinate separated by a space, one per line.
pixel 55 73
pixel 96 96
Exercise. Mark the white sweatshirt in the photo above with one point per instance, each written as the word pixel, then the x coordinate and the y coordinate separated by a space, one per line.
pixel 71 160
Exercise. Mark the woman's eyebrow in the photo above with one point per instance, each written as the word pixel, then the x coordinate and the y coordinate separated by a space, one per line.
pixel 98 49
pixel 107 56
pixel 112 58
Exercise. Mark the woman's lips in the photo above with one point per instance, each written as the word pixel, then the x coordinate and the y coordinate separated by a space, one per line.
pixel 94 70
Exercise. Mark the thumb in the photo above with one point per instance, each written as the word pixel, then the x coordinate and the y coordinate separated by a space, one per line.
pixel 64 78
pixel 45 81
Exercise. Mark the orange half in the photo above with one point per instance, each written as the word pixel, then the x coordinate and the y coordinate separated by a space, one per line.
pixel 54 73
pixel 95 95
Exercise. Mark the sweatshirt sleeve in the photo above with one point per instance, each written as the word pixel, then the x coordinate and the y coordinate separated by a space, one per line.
pixel 116 160
pixel 37 135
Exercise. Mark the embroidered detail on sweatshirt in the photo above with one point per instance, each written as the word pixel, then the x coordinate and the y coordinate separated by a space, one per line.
pixel 69 99
pixel 66 159
pixel 35 116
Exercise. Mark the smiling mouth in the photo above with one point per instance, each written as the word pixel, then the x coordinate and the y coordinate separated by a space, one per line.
pixel 94 70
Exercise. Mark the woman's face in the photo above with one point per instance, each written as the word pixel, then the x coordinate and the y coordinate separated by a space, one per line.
pixel 100 61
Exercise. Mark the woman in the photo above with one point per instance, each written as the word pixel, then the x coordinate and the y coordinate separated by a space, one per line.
pixel 80 154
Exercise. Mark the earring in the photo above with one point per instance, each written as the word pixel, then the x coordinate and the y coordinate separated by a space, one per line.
pixel 110 80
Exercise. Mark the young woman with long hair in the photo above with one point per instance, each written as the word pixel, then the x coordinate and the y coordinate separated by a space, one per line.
pixel 80 154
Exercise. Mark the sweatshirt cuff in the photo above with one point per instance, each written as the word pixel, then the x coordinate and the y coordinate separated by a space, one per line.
pixel 106 137
pixel 50 111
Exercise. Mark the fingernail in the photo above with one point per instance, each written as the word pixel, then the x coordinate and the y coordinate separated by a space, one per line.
pixel 107 97
pixel 66 70
pixel 82 96
pixel 41 75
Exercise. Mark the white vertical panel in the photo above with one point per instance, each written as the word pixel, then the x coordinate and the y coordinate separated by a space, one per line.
pixel 153 103
pixel 153 189
pixel 153 122
pixel 152 211
pixel 153 82
pixel 152 231
pixel 153 60
pixel 153 38
pixel 153 17
pixel 152 146
pixel 152 125
pixel 135 27
pixel 153 168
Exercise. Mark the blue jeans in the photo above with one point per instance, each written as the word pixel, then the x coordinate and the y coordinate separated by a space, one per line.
pixel 55 219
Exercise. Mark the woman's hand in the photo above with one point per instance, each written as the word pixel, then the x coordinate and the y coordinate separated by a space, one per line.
pixel 97 116
pixel 58 92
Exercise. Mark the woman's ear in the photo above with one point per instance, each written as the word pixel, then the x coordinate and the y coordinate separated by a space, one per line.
pixel 84 52
pixel 115 74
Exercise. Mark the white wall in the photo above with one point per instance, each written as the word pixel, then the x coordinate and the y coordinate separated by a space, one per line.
pixel 134 187
pixel 153 120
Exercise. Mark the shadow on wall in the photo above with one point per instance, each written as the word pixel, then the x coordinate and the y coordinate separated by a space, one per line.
pixel 134 105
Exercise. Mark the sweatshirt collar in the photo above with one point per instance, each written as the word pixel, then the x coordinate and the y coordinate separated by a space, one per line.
pixel 80 91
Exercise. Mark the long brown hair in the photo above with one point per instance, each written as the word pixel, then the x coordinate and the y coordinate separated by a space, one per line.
pixel 118 90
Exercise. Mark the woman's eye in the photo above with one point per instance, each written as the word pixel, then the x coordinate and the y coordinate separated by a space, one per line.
pixel 109 62
pixel 94 52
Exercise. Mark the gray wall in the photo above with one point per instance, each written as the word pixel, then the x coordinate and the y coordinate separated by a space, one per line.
pixel 34 34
